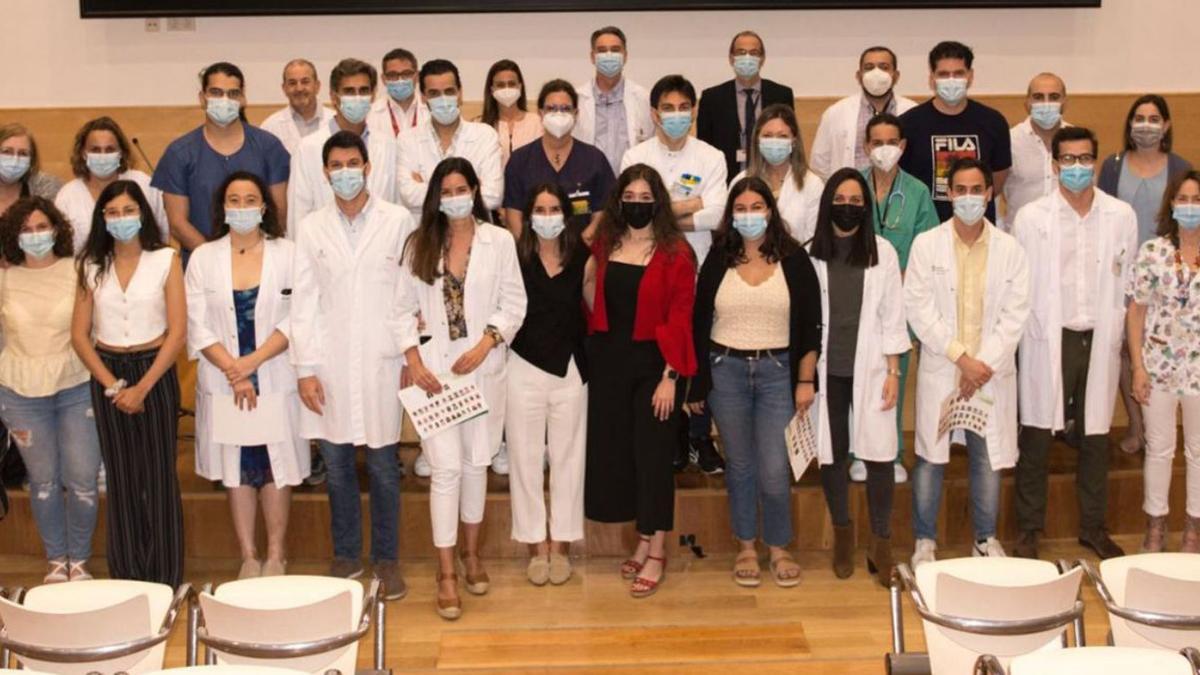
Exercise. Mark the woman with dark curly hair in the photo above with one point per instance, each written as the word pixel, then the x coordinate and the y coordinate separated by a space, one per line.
pixel 44 398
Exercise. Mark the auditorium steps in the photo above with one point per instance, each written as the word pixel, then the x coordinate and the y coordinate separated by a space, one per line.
pixel 701 513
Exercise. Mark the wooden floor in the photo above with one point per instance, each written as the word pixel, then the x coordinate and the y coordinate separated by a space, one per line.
pixel 699 622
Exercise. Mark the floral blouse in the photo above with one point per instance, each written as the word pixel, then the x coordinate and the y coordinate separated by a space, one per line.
pixel 1171 337
pixel 453 294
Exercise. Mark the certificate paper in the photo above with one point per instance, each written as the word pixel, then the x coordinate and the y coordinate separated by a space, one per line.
pixel 969 414
pixel 801 439
pixel 460 400
pixel 265 424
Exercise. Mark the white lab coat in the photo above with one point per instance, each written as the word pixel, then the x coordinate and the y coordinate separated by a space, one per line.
pixel 638 122
pixel 1038 229
pixel 881 332
pixel 379 119
pixel 798 207
pixel 309 191
pixel 339 334
pixel 931 305
pixel 421 152
pixel 837 134
pixel 212 320
pixel 494 296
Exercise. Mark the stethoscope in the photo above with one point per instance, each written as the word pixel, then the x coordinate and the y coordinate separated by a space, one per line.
pixel 887 207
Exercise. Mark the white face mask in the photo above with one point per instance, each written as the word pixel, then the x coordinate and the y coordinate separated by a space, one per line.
pixel 559 124
pixel 885 157
pixel 507 96
pixel 877 82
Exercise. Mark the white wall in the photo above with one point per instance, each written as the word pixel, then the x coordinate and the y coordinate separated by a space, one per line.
pixel 57 59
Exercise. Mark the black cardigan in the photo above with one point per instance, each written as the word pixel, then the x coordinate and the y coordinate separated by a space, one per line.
pixel 804 291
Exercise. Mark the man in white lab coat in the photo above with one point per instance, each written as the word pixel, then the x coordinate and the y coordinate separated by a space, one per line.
pixel 351 88
pixel 614 111
pixel 402 110
pixel 966 295
pixel 447 134
pixel 304 113
pixel 347 362
pixel 1081 244
pixel 843 128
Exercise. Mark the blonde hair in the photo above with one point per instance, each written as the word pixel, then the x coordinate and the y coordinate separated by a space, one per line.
pixel 757 166
pixel 15 130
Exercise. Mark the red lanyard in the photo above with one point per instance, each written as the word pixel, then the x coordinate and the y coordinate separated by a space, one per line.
pixel 395 124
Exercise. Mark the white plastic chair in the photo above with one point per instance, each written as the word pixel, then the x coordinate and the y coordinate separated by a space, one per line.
pixel 305 623
pixel 1153 599
pixel 226 670
pixel 1096 661
pixel 975 606
pixel 104 625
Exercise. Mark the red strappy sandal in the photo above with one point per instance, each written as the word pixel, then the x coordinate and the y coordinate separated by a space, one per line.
pixel 631 567
pixel 643 587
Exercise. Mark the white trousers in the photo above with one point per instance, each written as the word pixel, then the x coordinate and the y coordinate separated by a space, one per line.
pixel 458 479
pixel 546 413
pixel 1159 416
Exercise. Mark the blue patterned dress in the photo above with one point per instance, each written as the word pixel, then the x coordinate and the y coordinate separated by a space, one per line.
pixel 256 463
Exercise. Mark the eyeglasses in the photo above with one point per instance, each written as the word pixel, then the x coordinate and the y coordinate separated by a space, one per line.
pixel 1084 159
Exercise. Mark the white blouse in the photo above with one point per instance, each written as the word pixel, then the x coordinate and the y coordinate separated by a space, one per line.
pixel 752 317
pixel 78 205
pixel 138 314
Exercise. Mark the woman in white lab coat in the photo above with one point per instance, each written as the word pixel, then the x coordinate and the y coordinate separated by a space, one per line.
pixel 239 289
pixel 777 157
pixel 460 273
pixel 863 336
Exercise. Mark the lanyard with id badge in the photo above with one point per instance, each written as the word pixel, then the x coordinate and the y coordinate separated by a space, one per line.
pixel 687 185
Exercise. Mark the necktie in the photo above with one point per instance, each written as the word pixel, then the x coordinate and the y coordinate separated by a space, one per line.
pixel 748 126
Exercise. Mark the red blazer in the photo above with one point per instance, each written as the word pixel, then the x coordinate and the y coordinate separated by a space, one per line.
pixel 664 304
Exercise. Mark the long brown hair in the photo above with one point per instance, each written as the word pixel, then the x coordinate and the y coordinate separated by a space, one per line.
pixel 79 165
pixel 612 226
pixel 1167 226
pixel 777 241
pixel 14 219
pixel 757 166
pixel 568 241
pixel 425 246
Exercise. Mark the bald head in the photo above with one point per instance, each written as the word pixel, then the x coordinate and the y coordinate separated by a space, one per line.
pixel 1045 88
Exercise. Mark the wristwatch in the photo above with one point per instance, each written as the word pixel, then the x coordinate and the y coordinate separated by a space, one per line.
pixel 495 334
pixel 894 371
pixel 115 388
pixel 672 374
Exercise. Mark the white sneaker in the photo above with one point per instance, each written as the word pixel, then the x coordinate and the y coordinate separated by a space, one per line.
pixel 858 471
pixel 500 461
pixel 988 548
pixel 924 552
pixel 901 474
pixel 421 467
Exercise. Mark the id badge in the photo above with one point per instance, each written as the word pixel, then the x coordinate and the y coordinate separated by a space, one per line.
pixel 580 202
pixel 740 156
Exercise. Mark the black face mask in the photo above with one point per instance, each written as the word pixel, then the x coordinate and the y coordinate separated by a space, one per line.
pixel 848 217
pixel 637 214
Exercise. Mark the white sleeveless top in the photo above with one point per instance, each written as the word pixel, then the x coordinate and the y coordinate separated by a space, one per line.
pixel 752 317
pixel 138 314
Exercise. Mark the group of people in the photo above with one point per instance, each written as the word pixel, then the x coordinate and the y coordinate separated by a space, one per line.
pixel 591 268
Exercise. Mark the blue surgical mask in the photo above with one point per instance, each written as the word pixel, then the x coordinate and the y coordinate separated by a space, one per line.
pixel 348 182
pixel 547 226
pixel 458 206
pixel 401 89
pixel 103 164
pixel 243 221
pixel 746 65
pixel 676 124
pixel 125 228
pixel 36 244
pixel 223 111
pixel 1076 177
pixel 775 150
pixel 354 108
pixel 1046 115
pixel 609 63
pixel 13 167
pixel 952 90
pixel 444 109
pixel 970 208
pixel 750 225
pixel 1187 215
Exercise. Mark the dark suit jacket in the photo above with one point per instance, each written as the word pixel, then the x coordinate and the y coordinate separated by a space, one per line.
pixel 717 120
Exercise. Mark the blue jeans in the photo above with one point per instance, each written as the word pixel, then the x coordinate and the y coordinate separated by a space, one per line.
pixel 56 436
pixel 984 488
pixel 345 508
pixel 752 402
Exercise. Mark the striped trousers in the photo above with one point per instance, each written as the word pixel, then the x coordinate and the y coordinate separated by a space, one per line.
pixel 145 514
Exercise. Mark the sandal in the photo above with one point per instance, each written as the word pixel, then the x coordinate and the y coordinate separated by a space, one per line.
pixel 448 609
pixel 57 572
pixel 643 587
pixel 476 584
pixel 746 572
pixel 779 575
pixel 631 567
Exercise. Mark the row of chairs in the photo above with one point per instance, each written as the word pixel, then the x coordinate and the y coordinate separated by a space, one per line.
pixel 307 624
pixel 993 616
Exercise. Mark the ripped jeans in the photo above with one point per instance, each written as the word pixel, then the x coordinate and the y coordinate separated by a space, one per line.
pixel 56 436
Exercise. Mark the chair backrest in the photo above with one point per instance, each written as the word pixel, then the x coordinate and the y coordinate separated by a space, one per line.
pixel 999 589
pixel 284 610
pixel 1168 583
pixel 225 670
pixel 91 614
pixel 1102 661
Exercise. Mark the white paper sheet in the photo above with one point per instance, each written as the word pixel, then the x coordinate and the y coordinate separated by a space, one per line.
pixel 265 424
pixel 801 438
pixel 969 414
pixel 460 400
